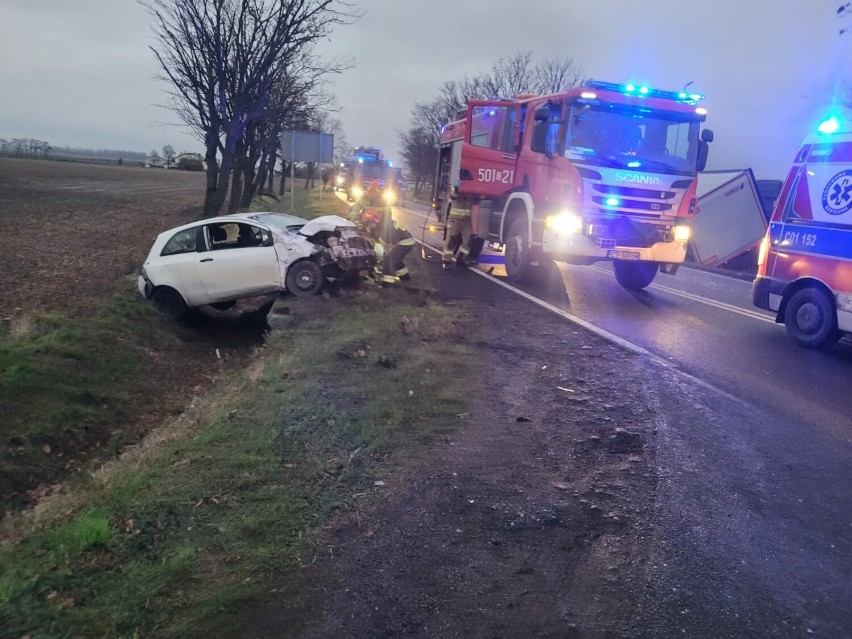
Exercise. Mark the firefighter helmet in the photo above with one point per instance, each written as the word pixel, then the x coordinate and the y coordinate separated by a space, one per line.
pixel 370 216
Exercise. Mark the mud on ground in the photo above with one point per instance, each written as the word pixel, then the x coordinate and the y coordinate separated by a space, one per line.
pixel 534 519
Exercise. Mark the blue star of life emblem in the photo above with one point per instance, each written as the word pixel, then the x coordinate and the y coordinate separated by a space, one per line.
pixel 837 194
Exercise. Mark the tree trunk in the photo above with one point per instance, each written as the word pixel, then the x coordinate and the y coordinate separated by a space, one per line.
pixel 236 184
pixel 219 195
pixel 210 208
pixel 249 186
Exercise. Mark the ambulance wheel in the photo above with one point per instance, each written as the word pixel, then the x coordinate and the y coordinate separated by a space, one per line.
pixel 518 253
pixel 305 278
pixel 634 276
pixel 810 318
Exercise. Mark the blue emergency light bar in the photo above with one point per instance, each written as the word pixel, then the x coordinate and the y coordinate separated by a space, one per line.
pixel 645 92
pixel 829 126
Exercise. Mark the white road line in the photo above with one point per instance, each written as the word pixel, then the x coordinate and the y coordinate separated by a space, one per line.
pixel 703 300
pixel 690 296
pixel 630 346
pixel 610 337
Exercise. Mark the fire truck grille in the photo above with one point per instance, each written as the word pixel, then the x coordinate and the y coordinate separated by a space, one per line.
pixel 621 231
pixel 651 207
pixel 624 191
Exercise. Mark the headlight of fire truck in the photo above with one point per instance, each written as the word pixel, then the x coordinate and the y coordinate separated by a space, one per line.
pixel 357 192
pixel 565 223
pixel 390 196
pixel 681 233
pixel 340 180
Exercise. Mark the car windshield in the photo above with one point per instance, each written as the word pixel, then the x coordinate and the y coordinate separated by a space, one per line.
pixel 281 221
pixel 606 135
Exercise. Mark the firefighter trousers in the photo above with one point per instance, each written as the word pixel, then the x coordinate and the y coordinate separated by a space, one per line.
pixel 457 227
pixel 393 266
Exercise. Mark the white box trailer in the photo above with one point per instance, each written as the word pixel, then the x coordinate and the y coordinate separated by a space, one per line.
pixel 730 219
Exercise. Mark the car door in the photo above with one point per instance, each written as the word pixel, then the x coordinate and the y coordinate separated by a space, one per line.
pixel 177 265
pixel 240 261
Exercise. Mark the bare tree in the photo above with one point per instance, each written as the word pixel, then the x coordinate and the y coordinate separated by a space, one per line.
pixel 419 152
pixel 222 57
pixel 557 74
pixel 168 155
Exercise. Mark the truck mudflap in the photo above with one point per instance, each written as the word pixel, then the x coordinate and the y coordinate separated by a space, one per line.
pixel 561 246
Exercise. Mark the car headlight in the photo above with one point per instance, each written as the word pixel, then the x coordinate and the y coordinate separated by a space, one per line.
pixel 566 223
pixel 681 233
pixel 390 196
pixel 357 192
pixel 340 179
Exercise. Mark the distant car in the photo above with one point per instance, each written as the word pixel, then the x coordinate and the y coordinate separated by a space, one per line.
pixel 220 260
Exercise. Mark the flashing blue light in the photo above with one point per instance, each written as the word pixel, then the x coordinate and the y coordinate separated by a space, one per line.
pixel 646 91
pixel 634 164
pixel 613 201
pixel 390 163
pixel 492 112
pixel 829 126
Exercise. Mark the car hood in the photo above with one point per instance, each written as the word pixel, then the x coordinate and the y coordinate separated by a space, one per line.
pixel 324 223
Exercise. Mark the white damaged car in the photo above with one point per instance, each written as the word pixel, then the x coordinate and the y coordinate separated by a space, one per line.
pixel 220 260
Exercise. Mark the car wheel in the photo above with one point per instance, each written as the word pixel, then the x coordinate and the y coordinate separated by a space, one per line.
pixel 168 300
pixel 305 278
pixel 634 276
pixel 810 318
pixel 518 254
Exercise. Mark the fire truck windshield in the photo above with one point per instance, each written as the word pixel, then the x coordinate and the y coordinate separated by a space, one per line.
pixel 656 141
pixel 369 171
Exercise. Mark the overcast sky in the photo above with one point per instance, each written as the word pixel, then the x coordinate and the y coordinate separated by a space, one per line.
pixel 80 73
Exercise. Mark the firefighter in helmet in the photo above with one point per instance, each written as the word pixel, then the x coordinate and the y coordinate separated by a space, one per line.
pixel 371 199
pixel 392 241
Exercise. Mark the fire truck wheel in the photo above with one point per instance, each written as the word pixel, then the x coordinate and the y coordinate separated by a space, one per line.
pixel 305 278
pixel 634 276
pixel 518 251
pixel 810 319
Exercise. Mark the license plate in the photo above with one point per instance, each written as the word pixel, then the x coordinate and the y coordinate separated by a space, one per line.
pixel 624 255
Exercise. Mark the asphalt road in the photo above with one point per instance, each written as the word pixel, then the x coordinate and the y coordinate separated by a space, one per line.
pixel 754 453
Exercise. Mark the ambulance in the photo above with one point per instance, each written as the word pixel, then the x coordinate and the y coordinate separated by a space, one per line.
pixel 804 271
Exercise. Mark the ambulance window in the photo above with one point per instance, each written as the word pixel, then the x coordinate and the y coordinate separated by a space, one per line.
pixel 798 203
pixel 493 127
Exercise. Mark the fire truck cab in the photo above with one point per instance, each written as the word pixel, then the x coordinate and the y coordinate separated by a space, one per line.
pixel 367 165
pixel 804 270
pixel 600 172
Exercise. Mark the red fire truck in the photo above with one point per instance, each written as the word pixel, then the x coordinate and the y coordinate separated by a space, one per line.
pixel 600 172
pixel 804 269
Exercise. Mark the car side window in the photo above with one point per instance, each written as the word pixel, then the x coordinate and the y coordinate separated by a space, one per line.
pixel 232 235
pixel 181 242
pixel 249 235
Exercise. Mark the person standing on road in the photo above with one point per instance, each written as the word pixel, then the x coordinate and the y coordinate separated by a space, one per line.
pixel 459 230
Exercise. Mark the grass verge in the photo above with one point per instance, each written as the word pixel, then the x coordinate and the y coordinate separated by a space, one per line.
pixel 66 383
pixel 172 539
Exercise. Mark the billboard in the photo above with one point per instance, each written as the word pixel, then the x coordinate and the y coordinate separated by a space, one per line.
pixel 307 146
